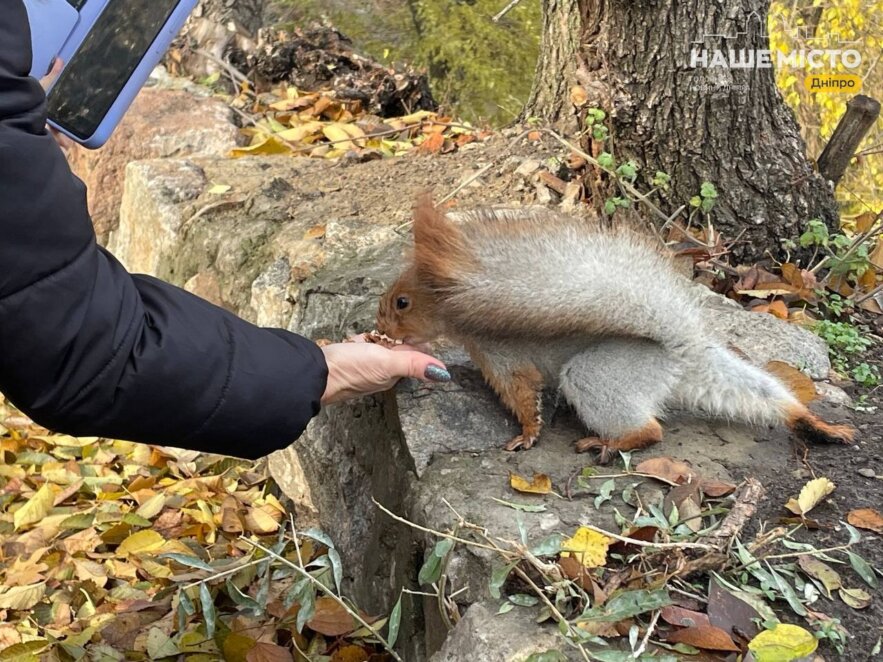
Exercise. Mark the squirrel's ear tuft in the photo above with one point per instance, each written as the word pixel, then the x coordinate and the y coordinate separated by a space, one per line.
pixel 440 249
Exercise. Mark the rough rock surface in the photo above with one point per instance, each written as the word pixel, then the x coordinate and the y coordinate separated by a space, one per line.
pixel 161 123
pixel 296 244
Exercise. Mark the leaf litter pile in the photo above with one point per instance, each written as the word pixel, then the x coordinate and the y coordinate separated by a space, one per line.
pixel 111 550
pixel 677 580
pixel 288 121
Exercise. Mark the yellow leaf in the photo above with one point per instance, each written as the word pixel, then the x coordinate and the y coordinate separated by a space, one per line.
pixel 588 547
pixel 783 643
pixel 337 134
pixel 413 118
pixel 219 189
pixel 67 441
pixel 35 509
pixel 138 543
pixel 259 521
pixel 810 495
pixel 22 597
pixel 152 507
pixel 539 484
pixel 267 146
pixel 301 132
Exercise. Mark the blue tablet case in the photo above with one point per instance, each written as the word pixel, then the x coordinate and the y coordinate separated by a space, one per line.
pixel 49 20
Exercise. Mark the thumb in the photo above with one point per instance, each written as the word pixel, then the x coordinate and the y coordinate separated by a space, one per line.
pixel 419 366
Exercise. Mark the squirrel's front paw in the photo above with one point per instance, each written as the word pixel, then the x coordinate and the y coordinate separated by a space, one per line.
pixel 594 443
pixel 521 442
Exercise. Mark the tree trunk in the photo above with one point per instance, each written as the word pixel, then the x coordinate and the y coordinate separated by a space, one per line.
pixel 727 126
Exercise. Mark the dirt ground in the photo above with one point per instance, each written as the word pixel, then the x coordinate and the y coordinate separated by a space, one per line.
pixel 854 490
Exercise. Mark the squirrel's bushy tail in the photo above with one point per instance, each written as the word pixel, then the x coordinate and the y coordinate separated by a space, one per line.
pixel 718 383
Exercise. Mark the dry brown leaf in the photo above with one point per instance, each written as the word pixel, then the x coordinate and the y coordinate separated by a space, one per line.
pixel 667 469
pixel 866 518
pixel 539 484
pixel 433 143
pixel 820 570
pixel 801 385
pixel 330 619
pixel 351 653
pixel 708 637
pixel 810 496
pixel 578 96
pixel 683 617
pixel 864 222
pixel 266 652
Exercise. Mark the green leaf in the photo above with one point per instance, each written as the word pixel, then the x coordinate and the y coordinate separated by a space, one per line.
pixel 863 569
pixel 787 592
pixel 605 160
pixel 549 546
pixel 241 598
pixel 606 491
pixel 627 604
pixel 609 206
pixel 547 656
pixel 208 609
pixel 707 190
pixel 524 507
pixel 523 600
pixel 430 571
pixel 318 536
pixel 695 201
pixel 307 609
pixel 336 567
pixel 395 620
pixel 498 577
pixel 854 535
pixel 505 608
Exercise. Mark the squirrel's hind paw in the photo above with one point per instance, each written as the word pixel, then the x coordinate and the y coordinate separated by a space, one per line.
pixel 810 427
pixel 641 438
pixel 521 442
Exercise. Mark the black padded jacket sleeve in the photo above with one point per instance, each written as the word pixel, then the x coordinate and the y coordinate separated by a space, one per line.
pixel 89 349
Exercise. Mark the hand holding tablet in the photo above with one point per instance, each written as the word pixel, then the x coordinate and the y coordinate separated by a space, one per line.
pixel 109 48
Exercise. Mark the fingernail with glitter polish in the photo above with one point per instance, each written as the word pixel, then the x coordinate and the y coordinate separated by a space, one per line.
pixel 437 374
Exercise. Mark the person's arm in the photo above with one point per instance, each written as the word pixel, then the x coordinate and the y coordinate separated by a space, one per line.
pixel 86 348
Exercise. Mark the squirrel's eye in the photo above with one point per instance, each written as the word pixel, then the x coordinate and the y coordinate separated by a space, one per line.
pixel 402 303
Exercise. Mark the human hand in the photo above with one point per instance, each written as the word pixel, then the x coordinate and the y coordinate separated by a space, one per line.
pixel 360 368
pixel 63 141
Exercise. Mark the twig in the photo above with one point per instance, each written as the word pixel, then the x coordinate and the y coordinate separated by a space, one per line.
pixel 642 543
pixel 868 295
pixel 327 591
pixel 466 183
pixel 746 499
pixel 433 532
pixel 219 575
pixel 640 650
pixel 505 10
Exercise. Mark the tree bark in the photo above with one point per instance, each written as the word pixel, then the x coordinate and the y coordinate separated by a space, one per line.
pixel 727 126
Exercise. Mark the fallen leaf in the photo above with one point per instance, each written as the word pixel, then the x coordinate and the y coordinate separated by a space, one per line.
pixel 350 653
pixel 22 597
pixel 801 385
pixel 219 189
pixel 667 469
pixel 783 643
pixel 36 508
pixel 716 488
pixel 866 518
pixel 821 571
pixel 810 496
pixel 433 143
pixel 266 652
pixel 681 617
pixel 140 542
pixel 330 618
pixel 539 484
pixel 578 96
pixel 854 597
pixel 736 610
pixel 266 146
pixel 588 547
pixel 708 637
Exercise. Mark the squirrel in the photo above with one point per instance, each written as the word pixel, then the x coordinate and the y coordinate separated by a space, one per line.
pixel 539 298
